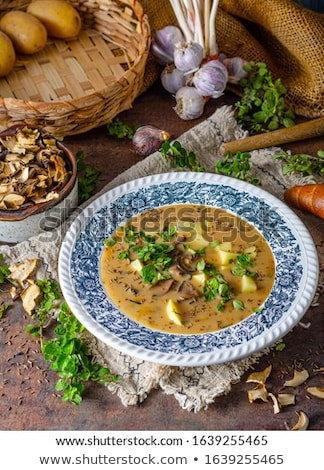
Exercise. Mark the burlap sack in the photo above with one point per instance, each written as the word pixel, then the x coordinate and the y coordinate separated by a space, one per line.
pixel 286 36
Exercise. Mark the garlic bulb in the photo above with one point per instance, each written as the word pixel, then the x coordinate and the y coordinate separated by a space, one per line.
pixel 148 139
pixel 235 69
pixel 188 56
pixel 189 104
pixel 172 79
pixel 211 79
pixel 163 44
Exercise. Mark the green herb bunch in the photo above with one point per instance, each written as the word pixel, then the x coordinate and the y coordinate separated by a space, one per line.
pixel 263 102
pixel 66 350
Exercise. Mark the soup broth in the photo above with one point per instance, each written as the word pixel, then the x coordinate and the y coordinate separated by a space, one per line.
pixel 187 269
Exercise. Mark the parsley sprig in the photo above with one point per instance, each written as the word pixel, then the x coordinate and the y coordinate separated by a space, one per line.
pixel 302 163
pixel 236 165
pixel 263 102
pixel 4 273
pixel 4 270
pixel 120 130
pixel 179 157
pixel 87 178
pixel 66 350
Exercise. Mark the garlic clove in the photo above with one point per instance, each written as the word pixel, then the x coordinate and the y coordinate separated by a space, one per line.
pixel 148 139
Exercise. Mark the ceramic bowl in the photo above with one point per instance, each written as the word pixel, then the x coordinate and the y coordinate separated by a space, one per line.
pixel 20 224
pixel 295 283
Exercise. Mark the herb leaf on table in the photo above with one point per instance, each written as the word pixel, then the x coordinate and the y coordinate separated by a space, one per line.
pixel 179 157
pixel 87 178
pixel 302 163
pixel 120 130
pixel 66 350
pixel 236 165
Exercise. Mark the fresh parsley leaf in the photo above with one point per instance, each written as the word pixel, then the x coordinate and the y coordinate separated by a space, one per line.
pixel 238 304
pixel 120 130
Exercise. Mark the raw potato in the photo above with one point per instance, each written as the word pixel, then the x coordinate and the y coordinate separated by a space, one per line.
pixel 60 18
pixel 26 32
pixel 7 55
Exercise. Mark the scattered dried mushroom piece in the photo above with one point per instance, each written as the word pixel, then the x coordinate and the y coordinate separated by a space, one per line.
pixel 259 377
pixel 300 376
pixel 258 393
pixel 316 391
pixel 302 423
pixel 21 271
pixel 32 169
pixel 29 297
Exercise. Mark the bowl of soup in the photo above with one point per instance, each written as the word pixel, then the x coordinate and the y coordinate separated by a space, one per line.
pixel 188 268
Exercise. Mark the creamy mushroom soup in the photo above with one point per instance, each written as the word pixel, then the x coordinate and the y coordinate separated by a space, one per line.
pixel 187 269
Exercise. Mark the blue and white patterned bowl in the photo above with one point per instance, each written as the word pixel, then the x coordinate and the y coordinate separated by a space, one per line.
pixel 293 248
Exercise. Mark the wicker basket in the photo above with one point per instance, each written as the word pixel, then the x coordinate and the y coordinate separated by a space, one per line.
pixel 73 86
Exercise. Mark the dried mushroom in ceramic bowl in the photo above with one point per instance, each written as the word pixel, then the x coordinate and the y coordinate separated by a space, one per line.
pixel 33 169
pixel 38 183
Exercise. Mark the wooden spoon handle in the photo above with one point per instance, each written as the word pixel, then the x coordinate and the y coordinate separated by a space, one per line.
pixel 304 130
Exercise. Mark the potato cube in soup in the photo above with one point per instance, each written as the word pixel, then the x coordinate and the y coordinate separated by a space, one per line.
pixel 248 284
pixel 173 312
pixel 137 265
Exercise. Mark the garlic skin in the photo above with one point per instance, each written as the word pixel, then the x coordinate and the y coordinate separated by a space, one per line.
pixel 148 139
pixel 188 56
pixel 163 44
pixel 172 79
pixel 189 104
pixel 211 79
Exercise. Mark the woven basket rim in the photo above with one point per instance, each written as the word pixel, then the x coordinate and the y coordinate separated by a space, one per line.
pixel 129 64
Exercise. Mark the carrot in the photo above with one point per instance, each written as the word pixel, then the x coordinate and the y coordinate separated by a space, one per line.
pixel 308 197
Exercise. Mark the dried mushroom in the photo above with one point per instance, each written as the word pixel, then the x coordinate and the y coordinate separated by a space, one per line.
pixel 286 399
pixel 29 297
pixel 258 393
pixel 302 423
pixel 20 272
pixel 300 376
pixel 260 377
pixel 32 169
pixel 275 401
pixel 316 391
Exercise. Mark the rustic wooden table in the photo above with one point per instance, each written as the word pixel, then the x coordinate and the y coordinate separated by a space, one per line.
pixel 27 397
